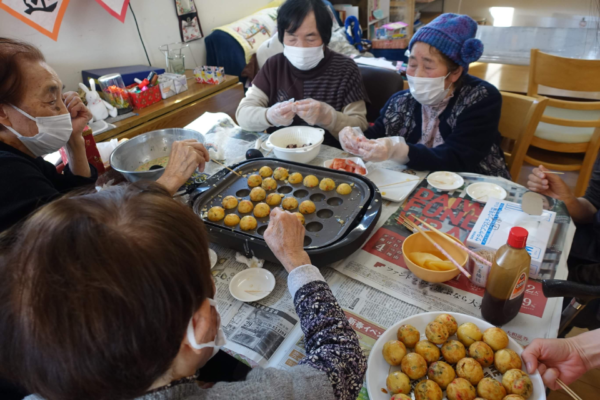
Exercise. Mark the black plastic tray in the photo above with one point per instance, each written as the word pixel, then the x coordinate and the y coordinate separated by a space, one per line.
pixel 338 224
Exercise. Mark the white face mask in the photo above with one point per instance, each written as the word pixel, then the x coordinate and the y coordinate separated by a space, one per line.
pixel 53 133
pixel 216 344
pixel 304 58
pixel 428 91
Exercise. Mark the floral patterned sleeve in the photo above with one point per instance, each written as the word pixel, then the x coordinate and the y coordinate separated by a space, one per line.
pixel 332 345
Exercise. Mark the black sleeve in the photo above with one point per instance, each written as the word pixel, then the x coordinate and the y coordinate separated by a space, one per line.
pixel 592 193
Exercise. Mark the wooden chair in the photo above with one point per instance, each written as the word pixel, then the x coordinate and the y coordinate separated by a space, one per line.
pixel 405 85
pixel 568 136
pixel 519 119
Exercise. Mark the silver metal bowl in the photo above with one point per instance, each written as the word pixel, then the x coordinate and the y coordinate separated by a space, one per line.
pixel 130 155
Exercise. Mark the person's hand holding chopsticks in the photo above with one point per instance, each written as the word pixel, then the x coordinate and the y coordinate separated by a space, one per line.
pixel 185 157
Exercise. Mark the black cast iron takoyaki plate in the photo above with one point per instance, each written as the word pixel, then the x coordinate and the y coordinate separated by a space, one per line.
pixel 339 226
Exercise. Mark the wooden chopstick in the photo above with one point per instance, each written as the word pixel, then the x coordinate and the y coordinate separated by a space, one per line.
pixel 399 183
pixel 440 248
pixel 442 234
pixel 553 172
pixel 567 389
pixel 220 163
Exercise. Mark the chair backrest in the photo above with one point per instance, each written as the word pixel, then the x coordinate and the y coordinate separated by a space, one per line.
pixel 567 74
pixel 381 84
pixel 406 87
pixel 519 118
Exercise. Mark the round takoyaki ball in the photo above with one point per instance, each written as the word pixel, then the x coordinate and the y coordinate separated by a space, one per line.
pixel 274 199
pixel 254 181
pixel 400 396
pixel 441 373
pixel 449 321
pixel 453 351
pixel 281 174
pixel 216 214
pixel 262 210
pixel 289 203
pixel 513 397
pixel 397 382
pixel 469 369
pixel 300 217
pixel 295 178
pixel 311 181
pixel 429 351
pixel 232 220
pixel 518 382
pixel 269 184
pixel 229 202
pixel 482 353
pixel 248 223
pixel 428 390
pixel 491 389
pixel 245 207
pixel 496 338
pixel 506 359
pixel 265 172
pixel 436 332
pixel 414 366
pixel 409 335
pixel 258 194
pixel 327 185
pixel 307 207
pixel 344 189
pixel 393 352
pixel 468 333
pixel 460 389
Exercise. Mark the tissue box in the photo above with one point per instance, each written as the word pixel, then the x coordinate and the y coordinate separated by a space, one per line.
pixel 172 84
pixel 146 98
pixel 495 222
pixel 210 75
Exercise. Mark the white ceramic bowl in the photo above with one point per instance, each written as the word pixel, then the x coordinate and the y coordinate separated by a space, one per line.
pixel 252 284
pixel 298 135
pixel 483 191
pixel 378 369
pixel 444 180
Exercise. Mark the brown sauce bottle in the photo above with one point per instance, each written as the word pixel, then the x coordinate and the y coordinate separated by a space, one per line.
pixel 507 280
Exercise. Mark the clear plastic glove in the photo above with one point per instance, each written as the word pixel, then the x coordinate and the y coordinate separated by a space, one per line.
pixel 315 112
pixel 389 148
pixel 350 138
pixel 281 114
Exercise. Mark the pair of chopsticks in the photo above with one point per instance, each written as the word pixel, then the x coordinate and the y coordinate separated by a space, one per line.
pixel 411 226
pixel 567 389
pixel 399 183
pixel 223 165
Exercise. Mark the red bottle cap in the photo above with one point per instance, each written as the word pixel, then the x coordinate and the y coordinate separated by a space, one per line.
pixel 518 237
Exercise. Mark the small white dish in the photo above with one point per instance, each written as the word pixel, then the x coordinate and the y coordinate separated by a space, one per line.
pixel 357 160
pixel 444 180
pixel 483 191
pixel 98 127
pixel 252 284
pixel 394 186
pixel 213 258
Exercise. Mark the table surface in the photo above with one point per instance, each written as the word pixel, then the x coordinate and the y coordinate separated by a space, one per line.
pixel 515 78
pixel 195 92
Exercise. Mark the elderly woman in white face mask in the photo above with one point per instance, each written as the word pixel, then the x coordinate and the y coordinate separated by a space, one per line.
pixel 308 84
pixel 448 120
pixel 37 118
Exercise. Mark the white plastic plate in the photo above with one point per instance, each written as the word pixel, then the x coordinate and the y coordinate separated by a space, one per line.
pixel 378 369
pixel 483 191
pixel 393 185
pixel 252 284
pixel 444 180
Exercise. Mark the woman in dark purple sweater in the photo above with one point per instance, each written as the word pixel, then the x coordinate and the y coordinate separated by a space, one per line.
pixel 448 120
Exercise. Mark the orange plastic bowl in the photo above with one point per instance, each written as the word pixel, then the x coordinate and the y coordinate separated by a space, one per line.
pixel 417 243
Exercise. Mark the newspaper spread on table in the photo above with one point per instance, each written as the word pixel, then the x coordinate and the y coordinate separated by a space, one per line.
pixel 373 287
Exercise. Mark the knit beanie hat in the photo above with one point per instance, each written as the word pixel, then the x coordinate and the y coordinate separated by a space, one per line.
pixel 454 36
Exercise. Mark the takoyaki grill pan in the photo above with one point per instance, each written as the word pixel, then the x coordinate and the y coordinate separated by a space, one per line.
pixel 338 228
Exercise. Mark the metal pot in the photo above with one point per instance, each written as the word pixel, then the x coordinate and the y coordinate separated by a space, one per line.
pixel 128 156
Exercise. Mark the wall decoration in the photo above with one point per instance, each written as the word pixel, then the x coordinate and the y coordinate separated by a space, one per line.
pixel 116 8
pixel 189 23
pixel 43 15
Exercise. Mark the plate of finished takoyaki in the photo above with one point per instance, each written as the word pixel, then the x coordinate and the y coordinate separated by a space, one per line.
pixel 449 356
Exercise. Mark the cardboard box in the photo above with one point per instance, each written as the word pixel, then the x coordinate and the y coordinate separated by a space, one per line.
pixel 146 98
pixel 172 84
pixel 495 222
